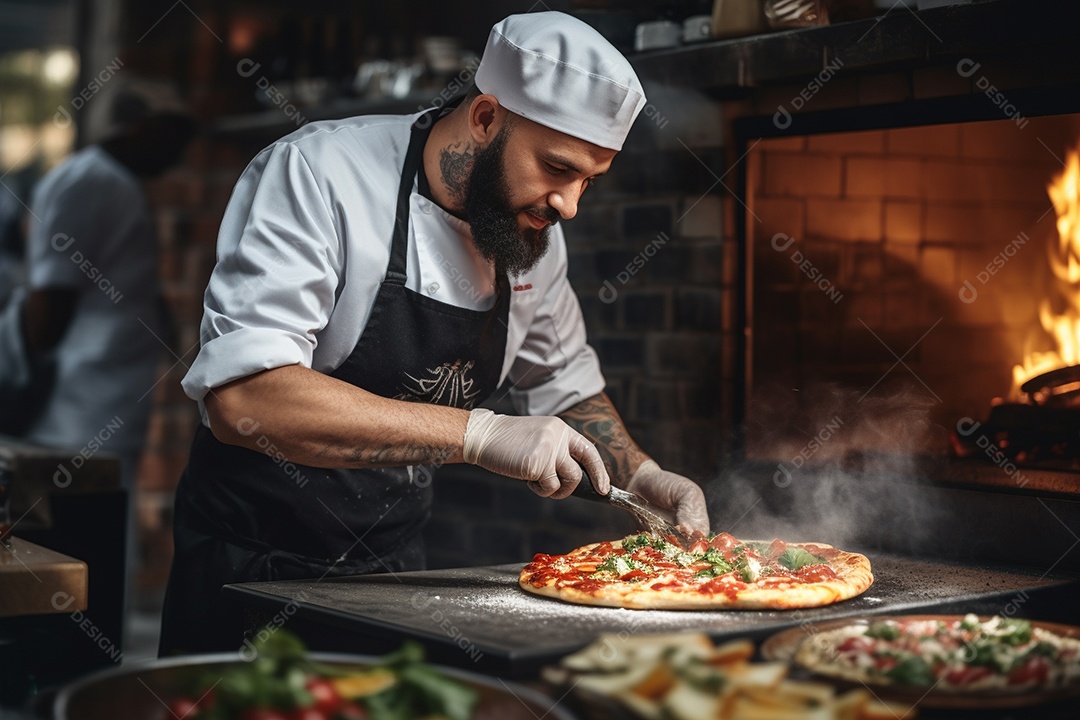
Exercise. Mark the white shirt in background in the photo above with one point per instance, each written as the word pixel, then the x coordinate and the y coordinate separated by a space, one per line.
pixel 91 230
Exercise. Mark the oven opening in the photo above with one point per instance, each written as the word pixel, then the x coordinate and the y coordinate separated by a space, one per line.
pixel 914 291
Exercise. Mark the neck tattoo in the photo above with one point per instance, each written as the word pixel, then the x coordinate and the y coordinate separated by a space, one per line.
pixel 455 164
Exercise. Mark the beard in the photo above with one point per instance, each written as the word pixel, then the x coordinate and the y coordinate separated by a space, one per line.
pixel 493 218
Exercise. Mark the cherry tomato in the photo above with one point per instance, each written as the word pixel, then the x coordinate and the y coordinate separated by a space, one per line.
pixel 1033 670
pixel 325 694
pixel 263 713
pixel 351 711
pixel 183 708
pixel 308 713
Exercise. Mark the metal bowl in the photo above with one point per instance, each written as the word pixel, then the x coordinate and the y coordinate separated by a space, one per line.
pixel 139 691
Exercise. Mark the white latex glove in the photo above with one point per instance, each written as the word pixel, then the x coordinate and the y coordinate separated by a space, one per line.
pixel 667 491
pixel 544 451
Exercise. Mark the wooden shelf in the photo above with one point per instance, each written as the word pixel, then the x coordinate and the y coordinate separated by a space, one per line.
pixel 1030 36
pixel 39 581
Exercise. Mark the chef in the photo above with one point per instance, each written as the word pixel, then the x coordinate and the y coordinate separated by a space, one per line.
pixel 378 278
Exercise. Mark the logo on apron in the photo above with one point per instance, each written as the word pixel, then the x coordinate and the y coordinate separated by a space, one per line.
pixel 449 384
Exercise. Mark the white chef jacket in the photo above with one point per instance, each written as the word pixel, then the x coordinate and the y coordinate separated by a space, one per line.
pixel 91 230
pixel 303 248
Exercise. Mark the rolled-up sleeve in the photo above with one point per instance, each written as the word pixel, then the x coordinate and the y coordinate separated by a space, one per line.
pixel 555 368
pixel 272 290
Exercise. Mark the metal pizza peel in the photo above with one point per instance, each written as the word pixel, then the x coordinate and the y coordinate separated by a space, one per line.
pixel 648 516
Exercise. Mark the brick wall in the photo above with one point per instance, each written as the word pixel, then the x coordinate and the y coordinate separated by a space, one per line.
pixel 886 226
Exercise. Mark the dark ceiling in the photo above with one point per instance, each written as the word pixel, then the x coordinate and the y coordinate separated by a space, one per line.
pixel 26 24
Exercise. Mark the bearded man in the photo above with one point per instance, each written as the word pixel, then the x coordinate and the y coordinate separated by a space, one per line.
pixel 362 306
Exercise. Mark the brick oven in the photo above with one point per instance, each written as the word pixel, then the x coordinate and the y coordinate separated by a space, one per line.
pixel 912 257
pixel 886 181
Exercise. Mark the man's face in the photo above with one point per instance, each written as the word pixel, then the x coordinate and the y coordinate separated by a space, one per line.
pixel 526 179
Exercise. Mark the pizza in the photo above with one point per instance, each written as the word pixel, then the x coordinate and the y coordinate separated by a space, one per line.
pixel 711 572
pixel 955 655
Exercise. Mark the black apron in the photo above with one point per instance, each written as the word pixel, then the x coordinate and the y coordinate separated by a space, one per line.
pixel 243 515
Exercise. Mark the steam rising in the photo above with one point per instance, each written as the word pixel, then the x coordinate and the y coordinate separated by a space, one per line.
pixel 832 466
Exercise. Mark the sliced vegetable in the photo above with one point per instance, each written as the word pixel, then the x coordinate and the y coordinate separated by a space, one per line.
pixel 364 684
pixel 438 694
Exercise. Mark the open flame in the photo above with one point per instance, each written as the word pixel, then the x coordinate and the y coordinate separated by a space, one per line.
pixel 1062 325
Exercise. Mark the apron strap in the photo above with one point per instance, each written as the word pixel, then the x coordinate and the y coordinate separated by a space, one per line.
pixel 395 270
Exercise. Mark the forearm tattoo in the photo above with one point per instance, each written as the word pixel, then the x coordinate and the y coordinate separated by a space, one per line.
pixel 455 164
pixel 400 455
pixel 597 419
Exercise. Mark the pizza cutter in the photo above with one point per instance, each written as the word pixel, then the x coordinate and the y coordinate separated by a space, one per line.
pixel 650 519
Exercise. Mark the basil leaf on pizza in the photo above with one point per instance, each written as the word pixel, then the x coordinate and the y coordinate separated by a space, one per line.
pixel 795 558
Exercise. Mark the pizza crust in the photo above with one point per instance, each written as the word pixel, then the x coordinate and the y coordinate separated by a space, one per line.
pixel 852 570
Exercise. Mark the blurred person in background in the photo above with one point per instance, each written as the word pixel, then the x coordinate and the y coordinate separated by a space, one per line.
pixel 81 338
pixel 12 241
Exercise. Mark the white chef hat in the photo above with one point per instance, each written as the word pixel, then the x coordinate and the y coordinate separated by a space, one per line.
pixel 557 71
